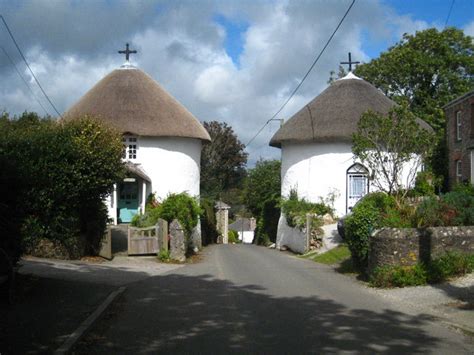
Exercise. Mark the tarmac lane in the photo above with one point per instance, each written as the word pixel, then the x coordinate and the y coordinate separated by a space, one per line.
pixel 249 299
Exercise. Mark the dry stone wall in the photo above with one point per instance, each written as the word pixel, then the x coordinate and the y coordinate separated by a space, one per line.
pixel 408 246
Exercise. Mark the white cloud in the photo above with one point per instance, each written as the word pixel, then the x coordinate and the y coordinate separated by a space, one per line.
pixel 71 45
pixel 469 29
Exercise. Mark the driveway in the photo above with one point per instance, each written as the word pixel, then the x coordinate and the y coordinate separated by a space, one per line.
pixel 248 299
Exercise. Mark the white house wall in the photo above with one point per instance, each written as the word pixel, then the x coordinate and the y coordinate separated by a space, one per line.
pixel 173 164
pixel 315 170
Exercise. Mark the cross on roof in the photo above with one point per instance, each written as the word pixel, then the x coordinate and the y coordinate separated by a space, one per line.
pixel 350 62
pixel 127 52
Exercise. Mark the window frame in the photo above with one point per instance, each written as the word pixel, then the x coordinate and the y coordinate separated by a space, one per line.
pixel 458 170
pixel 459 125
pixel 131 147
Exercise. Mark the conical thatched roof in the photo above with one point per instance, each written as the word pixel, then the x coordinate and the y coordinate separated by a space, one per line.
pixel 334 114
pixel 133 102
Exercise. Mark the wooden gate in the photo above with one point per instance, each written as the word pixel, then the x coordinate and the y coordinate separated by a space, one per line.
pixel 148 240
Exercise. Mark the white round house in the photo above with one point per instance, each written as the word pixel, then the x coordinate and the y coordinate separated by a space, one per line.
pixel 316 155
pixel 162 139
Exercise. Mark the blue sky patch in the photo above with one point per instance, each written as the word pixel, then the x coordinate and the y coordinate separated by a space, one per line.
pixel 234 41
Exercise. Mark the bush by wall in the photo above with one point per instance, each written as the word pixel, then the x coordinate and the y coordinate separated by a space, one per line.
pixel 66 169
pixel 439 270
pixel 180 206
pixel 233 237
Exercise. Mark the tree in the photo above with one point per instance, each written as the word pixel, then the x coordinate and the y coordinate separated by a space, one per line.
pixel 262 198
pixel 391 146
pixel 68 169
pixel 426 70
pixel 223 160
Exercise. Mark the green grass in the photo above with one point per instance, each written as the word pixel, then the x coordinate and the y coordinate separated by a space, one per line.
pixel 333 256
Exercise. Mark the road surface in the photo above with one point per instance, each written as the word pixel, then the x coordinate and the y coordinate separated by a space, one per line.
pixel 248 299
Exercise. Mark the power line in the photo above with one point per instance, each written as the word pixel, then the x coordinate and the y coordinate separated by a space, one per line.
pixel 449 14
pixel 307 73
pixel 28 66
pixel 24 80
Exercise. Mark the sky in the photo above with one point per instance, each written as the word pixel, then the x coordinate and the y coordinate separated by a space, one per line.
pixel 229 61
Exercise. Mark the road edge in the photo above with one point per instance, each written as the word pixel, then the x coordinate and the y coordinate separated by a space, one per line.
pixel 74 337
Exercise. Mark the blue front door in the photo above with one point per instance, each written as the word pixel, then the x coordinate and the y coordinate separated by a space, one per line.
pixel 128 201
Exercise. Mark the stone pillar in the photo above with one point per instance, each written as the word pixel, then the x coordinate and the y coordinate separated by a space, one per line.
pixel 222 221
pixel 177 242
pixel 196 239
pixel 162 234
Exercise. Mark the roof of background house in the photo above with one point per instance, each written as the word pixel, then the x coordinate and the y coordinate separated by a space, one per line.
pixel 131 101
pixel 458 99
pixel 333 115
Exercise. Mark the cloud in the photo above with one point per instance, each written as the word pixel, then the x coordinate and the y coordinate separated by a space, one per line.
pixel 71 45
pixel 469 29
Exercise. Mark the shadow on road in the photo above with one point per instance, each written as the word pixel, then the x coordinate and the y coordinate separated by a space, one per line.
pixel 182 314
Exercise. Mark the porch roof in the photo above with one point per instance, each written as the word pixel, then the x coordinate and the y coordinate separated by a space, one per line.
pixel 137 170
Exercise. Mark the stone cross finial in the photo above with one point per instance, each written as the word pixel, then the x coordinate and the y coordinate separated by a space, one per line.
pixel 127 52
pixel 350 62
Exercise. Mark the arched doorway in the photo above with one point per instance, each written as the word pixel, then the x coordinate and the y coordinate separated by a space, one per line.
pixel 357 184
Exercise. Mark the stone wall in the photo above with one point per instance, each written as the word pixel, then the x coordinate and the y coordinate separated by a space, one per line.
pixel 408 246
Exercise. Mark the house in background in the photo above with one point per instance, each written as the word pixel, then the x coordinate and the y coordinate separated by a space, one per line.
pixel 245 227
pixel 460 138
pixel 316 149
pixel 162 139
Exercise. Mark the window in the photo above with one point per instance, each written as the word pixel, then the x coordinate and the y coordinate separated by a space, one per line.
pixel 458 170
pixel 458 125
pixel 130 145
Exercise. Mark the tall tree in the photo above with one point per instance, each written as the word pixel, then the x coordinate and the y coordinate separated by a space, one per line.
pixel 393 147
pixel 223 160
pixel 262 198
pixel 426 70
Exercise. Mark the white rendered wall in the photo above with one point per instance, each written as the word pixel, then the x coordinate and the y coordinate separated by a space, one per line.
pixel 172 164
pixel 315 170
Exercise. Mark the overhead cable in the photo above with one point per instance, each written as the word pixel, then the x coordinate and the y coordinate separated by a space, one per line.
pixel 24 80
pixel 306 75
pixel 28 66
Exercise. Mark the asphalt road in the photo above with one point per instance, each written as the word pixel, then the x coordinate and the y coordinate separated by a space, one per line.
pixel 247 299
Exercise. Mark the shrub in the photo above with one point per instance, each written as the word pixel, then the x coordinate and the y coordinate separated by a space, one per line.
pixel 367 216
pixel 233 237
pixel 399 276
pixel 455 208
pixel 164 255
pixel 267 224
pixel 438 270
pixel 424 184
pixel 182 207
pixel 295 209
pixel 450 265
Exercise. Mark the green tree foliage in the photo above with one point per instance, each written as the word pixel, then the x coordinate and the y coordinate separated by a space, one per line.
pixel 64 171
pixel 223 160
pixel 426 70
pixel 262 196
pixel 387 143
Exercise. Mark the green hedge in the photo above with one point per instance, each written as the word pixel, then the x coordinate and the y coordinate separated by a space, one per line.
pixel 62 173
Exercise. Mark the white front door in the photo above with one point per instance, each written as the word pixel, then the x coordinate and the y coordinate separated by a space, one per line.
pixel 357 188
pixel 357 185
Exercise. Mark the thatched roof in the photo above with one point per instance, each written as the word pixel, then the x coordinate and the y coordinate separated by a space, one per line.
pixel 133 102
pixel 334 114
